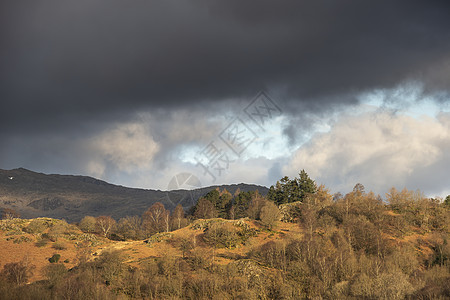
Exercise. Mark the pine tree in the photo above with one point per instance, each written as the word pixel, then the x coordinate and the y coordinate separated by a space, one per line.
pixel 291 190
pixel 306 185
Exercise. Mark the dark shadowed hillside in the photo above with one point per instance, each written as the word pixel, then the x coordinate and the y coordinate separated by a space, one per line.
pixel 71 197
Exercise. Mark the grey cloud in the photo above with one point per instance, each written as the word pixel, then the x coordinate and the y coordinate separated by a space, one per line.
pixel 86 59
pixel 70 70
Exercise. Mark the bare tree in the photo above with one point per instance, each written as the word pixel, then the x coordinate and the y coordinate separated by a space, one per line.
pixel 18 272
pixel 105 224
pixel 254 208
pixel 9 213
pixel 153 218
pixel 129 227
pixel 177 216
pixel 166 221
pixel 205 209
pixel 270 214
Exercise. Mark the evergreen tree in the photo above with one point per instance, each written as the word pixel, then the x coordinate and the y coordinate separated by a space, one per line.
pixel 224 204
pixel 287 190
pixel 242 202
pixel 306 185
pixel 221 201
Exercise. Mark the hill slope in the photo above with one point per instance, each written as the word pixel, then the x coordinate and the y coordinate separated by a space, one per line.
pixel 72 197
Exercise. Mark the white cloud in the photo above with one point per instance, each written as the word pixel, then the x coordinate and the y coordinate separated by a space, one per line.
pixel 378 149
pixel 126 147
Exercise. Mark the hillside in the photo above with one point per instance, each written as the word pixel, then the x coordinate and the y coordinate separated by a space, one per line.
pixel 71 197
pixel 20 244
pixel 286 245
pixel 242 260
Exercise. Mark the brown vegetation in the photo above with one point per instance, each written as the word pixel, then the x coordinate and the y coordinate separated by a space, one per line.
pixel 353 247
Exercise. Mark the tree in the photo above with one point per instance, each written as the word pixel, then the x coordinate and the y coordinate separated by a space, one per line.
pixel 224 204
pixel 105 224
pixel 213 196
pixel 111 266
pixel 166 221
pixel 55 273
pixel 18 272
pixel 232 212
pixel 291 190
pixel 220 200
pixel 9 213
pixel 204 209
pixel 320 199
pixel 359 189
pixel 254 208
pixel 270 214
pixel 276 193
pixel 306 185
pixel 186 244
pixel 241 204
pixel 177 217
pixel 154 218
pixel 88 224
pixel 129 228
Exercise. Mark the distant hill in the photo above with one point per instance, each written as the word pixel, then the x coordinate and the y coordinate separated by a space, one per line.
pixel 71 197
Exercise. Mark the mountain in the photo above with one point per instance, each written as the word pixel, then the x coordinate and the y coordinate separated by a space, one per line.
pixel 71 197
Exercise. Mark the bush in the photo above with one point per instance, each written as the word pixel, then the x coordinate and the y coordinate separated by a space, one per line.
pixel 221 235
pixel 55 258
pixel 48 237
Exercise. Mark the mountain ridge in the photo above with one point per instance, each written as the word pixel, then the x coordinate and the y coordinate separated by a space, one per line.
pixel 70 197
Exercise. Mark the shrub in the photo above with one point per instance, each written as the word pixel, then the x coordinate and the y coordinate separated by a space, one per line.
pixel 55 258
pixel 47 237
pixel 222 235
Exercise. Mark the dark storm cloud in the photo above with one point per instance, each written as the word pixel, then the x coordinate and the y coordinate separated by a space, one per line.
pixel 63 62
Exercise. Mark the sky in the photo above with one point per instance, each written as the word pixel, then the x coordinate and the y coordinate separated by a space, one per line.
pixel 148 93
